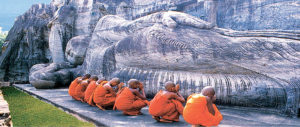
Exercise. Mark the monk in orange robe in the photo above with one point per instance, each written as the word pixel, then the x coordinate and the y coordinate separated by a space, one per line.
pixel 166 106
pixel 80 89
pixel 105 94
pixel 200 110
pixel 98 84
pixel 91 88
pixel 130 100
pixel 74 84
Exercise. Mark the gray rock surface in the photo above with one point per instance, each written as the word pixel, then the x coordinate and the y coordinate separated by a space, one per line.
pixel 76 49
pixel 27 44
pixel 46 76
pixel 5 117
pixel 230 14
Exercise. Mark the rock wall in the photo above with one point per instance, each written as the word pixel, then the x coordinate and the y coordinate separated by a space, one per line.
pixel 27 44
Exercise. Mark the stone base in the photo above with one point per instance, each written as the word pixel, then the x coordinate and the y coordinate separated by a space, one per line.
pixel 5 118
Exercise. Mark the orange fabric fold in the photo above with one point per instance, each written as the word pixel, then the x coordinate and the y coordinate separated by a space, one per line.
pixel 73 86
pixel 165 108
pixel 97 93
pixel 129 103
pixel 103 98
pixel 196 112
pixel 79 91
pixel 89 91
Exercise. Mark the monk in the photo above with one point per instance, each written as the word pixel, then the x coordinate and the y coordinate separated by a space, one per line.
pixel 80 89
pixel 130 100
pixel 74 84
pixel 105 95
pixel 166 106
pixel 200 110
pixel 91 88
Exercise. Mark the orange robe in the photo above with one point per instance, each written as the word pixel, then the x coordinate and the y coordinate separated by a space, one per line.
pixel 165 108
pixel 95 93
pixel 73 86
pixel 79 91
pixel 129 103
pixel 89 91
pixel 103 98
pixel 196 112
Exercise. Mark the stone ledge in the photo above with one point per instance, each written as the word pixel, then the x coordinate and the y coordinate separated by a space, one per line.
pixel 4 84
pixel 5 118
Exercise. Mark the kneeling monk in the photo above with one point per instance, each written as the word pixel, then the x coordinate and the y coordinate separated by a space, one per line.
pixel 130 101
pixel 91 88
pixel 80 89
pixel 105 95
pixel 200 110
pixel 166 106
pixel 74 84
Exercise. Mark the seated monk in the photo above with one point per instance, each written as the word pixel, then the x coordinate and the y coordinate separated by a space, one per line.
pixel 105 95
pixel 130 100
pixel 98 84
pixel 74 84
pixel 91 88
pixel 80 89
pixel 166 106
pixel 200 110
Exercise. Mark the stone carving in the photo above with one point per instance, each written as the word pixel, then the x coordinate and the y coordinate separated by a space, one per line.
pixel 248 68
pixel 45 76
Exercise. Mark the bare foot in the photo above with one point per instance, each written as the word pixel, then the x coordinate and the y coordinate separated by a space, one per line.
pixel 157 118
pixel 100 107
pixel 165 121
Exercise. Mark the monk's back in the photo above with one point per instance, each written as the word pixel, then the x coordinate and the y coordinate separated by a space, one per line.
pixel 196 112
pixel 100 90
pixel 73 86
pixel 89 90
pixel 160 100
pixel 125 99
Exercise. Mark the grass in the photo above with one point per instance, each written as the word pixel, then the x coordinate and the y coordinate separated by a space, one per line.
pixel 29 111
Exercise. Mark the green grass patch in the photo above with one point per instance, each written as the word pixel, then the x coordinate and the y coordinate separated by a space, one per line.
pixel 29 111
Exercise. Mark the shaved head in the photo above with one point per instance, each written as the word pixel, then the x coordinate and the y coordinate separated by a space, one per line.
pixel 94 78
pixel 133 83
pixel 169 85
pixel 86 76
pixel 208 91
pixel 114 81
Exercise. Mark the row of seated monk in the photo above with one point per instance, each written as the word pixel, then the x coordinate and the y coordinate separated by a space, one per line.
pixel 166 106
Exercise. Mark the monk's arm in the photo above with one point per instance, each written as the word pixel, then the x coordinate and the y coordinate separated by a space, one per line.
pixel 210 105
pixel 137 93
pixel 110 90
pixel 176 97
pixel 180 97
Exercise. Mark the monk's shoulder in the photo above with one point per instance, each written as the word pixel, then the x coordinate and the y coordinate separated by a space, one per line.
pixel 169 95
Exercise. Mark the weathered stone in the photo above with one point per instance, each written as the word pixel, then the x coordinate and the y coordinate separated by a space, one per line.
pixel 5 118
pixel 76 49
pixel 246 68
pixel 45 76
pixel 27 44
pixel 4 84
